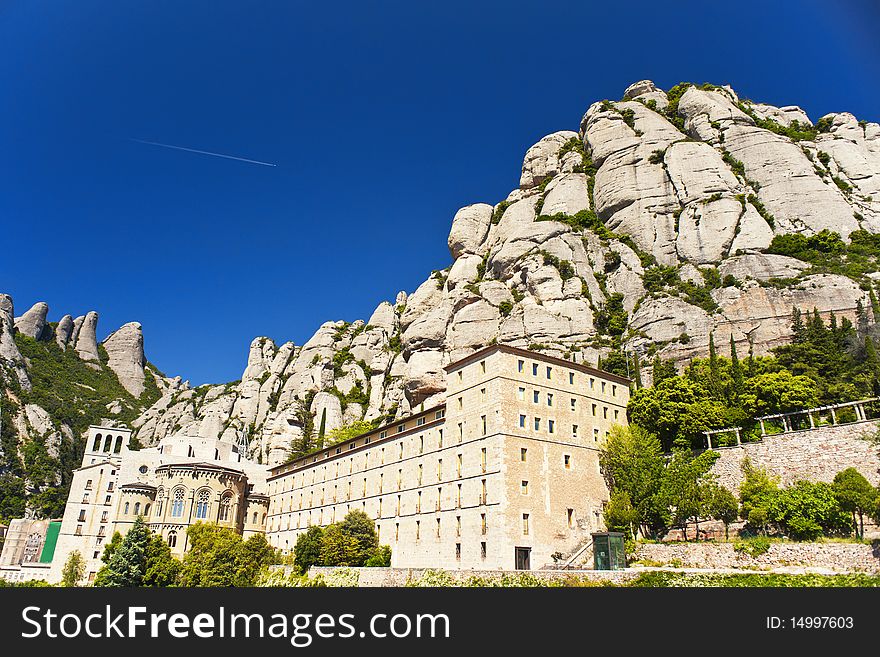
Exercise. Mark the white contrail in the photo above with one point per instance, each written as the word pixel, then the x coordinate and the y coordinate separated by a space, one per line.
pixel 194 150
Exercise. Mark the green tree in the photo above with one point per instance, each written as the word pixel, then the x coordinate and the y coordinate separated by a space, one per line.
pixel 361 528
pixel 855 495
pixel 632 463
pixel 621 515
pixel 808 510
pixel 338 548
pixel 74 569
pixel 128 562
pixel 723 506
pixel 736 373
pixel 687 487
pixel 347 432
pixel 781 392
pixel 219 557
pixel 757 492
pixel 307 551
pixel 381 558
pixel 162 567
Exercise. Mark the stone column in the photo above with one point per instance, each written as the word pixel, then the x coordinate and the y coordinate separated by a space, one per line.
pixel 763 429
pixel 738 442
pixel 833 417
pixel 812 424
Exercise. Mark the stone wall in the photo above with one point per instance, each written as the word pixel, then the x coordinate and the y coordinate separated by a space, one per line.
pixel 372 577
pixel 838 557
pixel 816 454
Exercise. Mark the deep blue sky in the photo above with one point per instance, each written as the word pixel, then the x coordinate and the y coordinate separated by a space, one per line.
pixel 383 119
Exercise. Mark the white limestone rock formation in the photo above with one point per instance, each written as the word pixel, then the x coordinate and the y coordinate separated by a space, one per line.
pixel 86 337
pixel 125 349
pixel 63 331
pixel 469 228
pixel 542 160
pixel 33 322
pixel 702 190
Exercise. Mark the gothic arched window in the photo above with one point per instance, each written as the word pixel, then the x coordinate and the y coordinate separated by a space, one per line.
pixel 172 539
pixel 126 509
pixel 137 508
pixel 225 507
pixel 177 503
pixel 203 504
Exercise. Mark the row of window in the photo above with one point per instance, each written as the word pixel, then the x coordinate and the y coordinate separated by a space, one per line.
pixel 420 472
pixel 537 423
pixel 311 477
pixel 381 508
pixel 572 377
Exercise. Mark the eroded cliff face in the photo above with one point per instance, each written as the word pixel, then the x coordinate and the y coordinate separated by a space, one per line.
pixel 643 231
pixel 695 180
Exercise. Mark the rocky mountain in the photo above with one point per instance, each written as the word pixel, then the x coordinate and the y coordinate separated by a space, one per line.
pixel 56 381
pixel 642 232
pixel 667 216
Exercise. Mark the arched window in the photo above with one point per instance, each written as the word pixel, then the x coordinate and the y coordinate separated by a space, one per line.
pixel 147 510
pixel 159 509
pixel 137 508
pixel 225 507
pixel 202 504
pixel 118 446
pixel 97 446
pixel 177 503
pixel 126 509
pixel 172 539
pixel 107 443
pixel 255 518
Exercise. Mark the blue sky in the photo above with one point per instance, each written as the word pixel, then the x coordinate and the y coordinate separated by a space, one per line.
pixel 382 118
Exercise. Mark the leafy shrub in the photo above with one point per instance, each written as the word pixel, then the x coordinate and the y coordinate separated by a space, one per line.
pixel 505 308
pixel 499 211
pixel 753 547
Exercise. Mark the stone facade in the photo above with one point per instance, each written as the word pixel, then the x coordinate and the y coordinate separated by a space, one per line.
pixel 181 481
pixel 814 454
pixel 502 476
pixel 838 557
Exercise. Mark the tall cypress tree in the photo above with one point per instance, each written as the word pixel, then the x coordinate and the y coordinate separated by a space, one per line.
pixel 322 428
pixel 736 373
pixel 637 370
pixel 714 373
